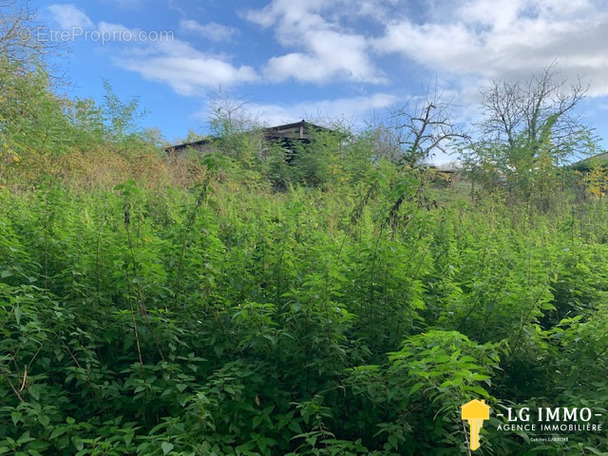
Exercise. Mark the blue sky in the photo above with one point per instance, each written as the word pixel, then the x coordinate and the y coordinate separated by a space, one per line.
pixel 354 60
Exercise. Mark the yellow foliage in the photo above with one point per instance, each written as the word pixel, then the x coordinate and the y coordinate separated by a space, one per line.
pixel 597 182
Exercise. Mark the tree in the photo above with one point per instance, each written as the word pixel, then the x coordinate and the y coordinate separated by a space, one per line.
pixel 425 127
pixel 381 139
pixel 236 132
pixel 229 113
pixel 529 129
pixel 19 43
pixel 531 121
pixel 16 43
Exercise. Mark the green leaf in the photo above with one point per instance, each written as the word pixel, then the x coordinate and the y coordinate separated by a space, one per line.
pixel 294 426
pixel 58 431
pixel 16 417
pixel 479 390
pixel 256 422
pixel 44 420
pixel 415 388
pixel 34 392
pixel 18 314
pixel 167 447
pixel 6 273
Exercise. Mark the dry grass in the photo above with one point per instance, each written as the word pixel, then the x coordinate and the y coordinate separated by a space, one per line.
pixel 100 168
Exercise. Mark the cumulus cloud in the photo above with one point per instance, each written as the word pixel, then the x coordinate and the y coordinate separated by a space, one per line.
pixel 327 42
pixel 187 70
pixel 510 38
pixel 188 74
pixel 351 110
pixel 365 41
pixel 322 50
pixel 330 56
pixel 164 59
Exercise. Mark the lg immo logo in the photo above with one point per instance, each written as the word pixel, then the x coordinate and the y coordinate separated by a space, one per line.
pixel 551 421
pixel 542 424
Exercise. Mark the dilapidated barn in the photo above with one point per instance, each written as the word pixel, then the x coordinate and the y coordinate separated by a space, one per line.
pixel 287 136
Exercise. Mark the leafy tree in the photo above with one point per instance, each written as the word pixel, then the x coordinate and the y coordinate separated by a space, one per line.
pixel 32 122
pixel 529 128
pixel 525 114
pixel 322 161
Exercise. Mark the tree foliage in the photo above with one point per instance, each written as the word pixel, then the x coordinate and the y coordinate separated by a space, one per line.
pixel 527 115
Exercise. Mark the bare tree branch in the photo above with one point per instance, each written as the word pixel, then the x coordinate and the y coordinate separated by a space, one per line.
pixel 425 128
pixel 18 41
pixel 229 112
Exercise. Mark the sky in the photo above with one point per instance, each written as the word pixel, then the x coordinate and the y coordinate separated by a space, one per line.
pixel 356 61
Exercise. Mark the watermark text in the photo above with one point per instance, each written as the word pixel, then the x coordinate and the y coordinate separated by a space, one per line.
pixel 77 33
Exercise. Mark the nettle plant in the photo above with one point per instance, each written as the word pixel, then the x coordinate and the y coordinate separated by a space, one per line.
pixel 219 319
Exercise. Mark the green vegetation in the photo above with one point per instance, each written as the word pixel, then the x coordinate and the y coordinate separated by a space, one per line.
pixel 237 304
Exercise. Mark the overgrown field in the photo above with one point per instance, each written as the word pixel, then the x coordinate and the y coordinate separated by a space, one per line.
pixel 336 298
pixel 224 320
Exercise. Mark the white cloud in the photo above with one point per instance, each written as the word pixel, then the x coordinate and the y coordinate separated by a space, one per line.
pixel 184 68
pixel 331 56
pixel 69 16
pixel 352 110
pixel 323 50
pixel 510 38
pixel 212 31
pixel 172 61
pixel 188 75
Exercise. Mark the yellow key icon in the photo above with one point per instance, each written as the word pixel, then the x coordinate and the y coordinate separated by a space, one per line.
pixel 475 412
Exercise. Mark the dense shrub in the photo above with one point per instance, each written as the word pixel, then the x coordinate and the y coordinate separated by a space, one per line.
pixel 225 321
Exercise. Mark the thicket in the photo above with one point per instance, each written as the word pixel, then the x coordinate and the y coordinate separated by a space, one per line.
pixel 218 320
pixel 187 308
